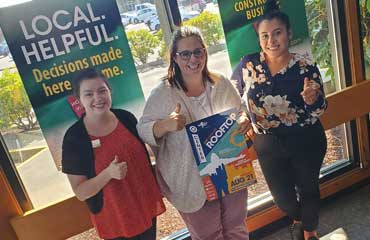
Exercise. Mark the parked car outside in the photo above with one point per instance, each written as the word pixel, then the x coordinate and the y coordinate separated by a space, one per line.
pixel 143 6
pixel 154 24
pixel 186 15
pixel 126 19
pixel 4 50
pixel 143 15
pixel 199 5
pixel 130 15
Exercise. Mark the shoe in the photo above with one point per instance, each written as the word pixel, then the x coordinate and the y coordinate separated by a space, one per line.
pixel 296 231
pixel 313 238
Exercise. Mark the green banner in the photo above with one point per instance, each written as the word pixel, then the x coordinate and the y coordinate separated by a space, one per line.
pixel 51 40
pixel 241 38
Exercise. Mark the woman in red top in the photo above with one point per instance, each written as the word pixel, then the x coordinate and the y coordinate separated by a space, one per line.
pixel 108 165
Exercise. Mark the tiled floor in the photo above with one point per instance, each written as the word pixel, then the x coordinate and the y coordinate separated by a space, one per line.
pixel 349 210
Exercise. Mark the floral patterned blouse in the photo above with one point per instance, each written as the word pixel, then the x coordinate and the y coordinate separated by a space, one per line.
pixel 274 102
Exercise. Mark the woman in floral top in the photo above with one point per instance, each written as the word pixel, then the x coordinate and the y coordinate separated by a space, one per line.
pixel 285 97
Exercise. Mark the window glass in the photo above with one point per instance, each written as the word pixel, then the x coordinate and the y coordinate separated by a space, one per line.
pixel 364 7
pixel 324 32
pixel 337 146
pixel 365 33
pixel 23 137
pixel 20 130
pixel 28 147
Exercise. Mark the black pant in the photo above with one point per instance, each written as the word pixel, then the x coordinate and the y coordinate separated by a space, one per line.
pixel 149 234
pixel 291 166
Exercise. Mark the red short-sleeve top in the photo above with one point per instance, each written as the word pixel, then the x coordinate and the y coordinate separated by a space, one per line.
pixel 131 203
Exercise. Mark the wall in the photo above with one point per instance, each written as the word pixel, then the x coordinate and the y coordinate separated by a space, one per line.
pixel 8 209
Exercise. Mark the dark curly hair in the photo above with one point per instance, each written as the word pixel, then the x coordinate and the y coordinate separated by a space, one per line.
pixel 272 11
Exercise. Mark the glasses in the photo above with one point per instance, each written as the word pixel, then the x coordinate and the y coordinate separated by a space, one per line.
pixel 186 54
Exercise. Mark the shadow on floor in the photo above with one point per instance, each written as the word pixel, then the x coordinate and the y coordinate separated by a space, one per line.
pixel 349 209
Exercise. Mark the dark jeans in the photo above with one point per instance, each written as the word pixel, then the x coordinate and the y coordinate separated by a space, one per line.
pixel 291 166
pixel 149 234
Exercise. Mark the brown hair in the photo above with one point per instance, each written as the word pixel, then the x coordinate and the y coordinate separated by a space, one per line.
pixel 86 74
pixel 272 11
pixel 174 76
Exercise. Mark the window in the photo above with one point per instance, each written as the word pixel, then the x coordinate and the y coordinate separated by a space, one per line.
pixel 22 135
pixel 323 24
pixel 29 151
pixel 364 8
pixel 325 31
pixel 365 33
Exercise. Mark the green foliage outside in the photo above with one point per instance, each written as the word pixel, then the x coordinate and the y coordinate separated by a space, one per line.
pixel 15 107
pixel 365 30
pixel 162 45
pixel 210 25
pixel 142 44
pixel 317 19
pixel 319 32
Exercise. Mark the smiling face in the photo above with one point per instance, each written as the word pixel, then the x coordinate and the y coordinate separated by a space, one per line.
pixel 95 96
pixel 195 64
pixel 274 38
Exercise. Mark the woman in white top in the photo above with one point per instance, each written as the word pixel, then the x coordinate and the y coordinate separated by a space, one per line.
pixel 188 93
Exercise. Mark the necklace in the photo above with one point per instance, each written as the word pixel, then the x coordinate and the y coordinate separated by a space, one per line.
pixel 192 103
pixel 203 102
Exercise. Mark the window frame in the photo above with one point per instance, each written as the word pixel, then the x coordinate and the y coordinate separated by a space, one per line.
pixel 267 214
pixel 13 177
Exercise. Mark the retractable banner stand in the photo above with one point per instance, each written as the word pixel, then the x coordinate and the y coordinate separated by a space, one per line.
pixel 51 41
pixel 238 17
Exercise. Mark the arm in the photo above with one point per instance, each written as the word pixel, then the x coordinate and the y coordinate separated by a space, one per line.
pixel 161 128
pixel 85 188
pixel 237 78
pixel 155 122
pixel 174 122
pixel 151 115
pixel 76 159
pixel 313 94
pixel 244 123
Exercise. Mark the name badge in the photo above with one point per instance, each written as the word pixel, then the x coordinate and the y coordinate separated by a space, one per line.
pixel 96 143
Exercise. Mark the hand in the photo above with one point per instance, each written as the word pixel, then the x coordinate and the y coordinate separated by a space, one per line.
pixel 176 121
pixel 117 170
pixel 244 125
pixel 310 91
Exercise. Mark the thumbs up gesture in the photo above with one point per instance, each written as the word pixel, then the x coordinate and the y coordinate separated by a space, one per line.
pixel 117 170
pixel 176 120
pixel 310 91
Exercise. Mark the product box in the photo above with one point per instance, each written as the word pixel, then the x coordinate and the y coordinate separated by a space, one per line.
pixel 223 156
